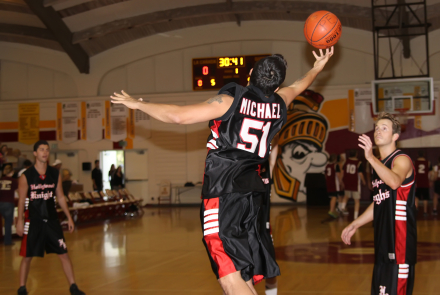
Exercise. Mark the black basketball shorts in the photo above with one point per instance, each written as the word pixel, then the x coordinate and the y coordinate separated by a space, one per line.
pixel 437 187
pixel 393 279
pixel 422 193
pixel 236 236
pixel 42 235
pixel 336 194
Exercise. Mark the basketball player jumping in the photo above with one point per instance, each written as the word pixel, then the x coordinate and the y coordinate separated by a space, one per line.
pixel 393 211
pixel 37 188
pixel 243 121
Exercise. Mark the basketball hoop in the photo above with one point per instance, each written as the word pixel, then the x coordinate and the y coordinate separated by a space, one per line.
pixel 402 116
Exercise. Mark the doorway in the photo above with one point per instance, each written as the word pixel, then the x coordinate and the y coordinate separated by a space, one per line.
pixel 134 165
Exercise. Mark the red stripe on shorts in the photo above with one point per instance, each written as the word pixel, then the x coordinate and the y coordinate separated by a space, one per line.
pixel 402 280
pixel 224 263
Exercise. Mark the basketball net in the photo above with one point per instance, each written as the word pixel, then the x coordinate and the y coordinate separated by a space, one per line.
pixel 402 116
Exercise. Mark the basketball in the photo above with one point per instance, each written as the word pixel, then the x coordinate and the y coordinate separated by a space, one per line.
pixel 322 29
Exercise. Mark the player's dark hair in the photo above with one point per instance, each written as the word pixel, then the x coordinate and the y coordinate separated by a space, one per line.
pixel 332 158
pixel 27 163
pixel 421 153
pixel 394 121
pixel 352 153
pixel 96 161
pixel 38 143
pixel 269 73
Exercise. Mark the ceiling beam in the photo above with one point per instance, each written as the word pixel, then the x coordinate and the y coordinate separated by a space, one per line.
pixel 47 3
pixel 33 32
pixel 83 7
pixel 14 7
pixel 54 23
pixel 220 9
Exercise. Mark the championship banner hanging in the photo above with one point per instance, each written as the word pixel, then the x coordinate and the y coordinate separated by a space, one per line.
pixel 94 116
pixel 142 125
pixel 118 114
pixel 67 125
pixel 28 122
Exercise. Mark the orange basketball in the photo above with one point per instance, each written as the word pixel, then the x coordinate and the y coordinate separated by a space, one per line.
pixel 322 29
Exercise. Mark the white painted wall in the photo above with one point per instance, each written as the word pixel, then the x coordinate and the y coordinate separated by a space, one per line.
pixel 158 68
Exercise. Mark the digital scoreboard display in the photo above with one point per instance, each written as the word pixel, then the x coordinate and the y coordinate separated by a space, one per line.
pixel 212 73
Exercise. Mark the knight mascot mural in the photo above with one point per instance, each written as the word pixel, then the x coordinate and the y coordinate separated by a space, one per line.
pixel 300 146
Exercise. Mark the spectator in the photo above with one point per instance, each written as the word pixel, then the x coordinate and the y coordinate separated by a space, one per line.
pixel 436 187
pixel 26 165
pixel 97 177
pixel 333 179
pixel 8 186
pixel 57 164
pixel 20 159
pixel 3 153
pixel 110 175
pixel 352 177
pixel 423 167
pixel 118 179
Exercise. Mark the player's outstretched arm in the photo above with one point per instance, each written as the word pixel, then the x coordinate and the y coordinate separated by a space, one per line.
pixel 289 93
pixel 213 108
pixel 22 193
pixel 392 177
pixel 63 204
pixel 349 231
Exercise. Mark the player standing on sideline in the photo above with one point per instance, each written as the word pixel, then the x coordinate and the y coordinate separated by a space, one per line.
pixel 37 188
pixel 422 181
pixel 352 176
pixel 436 187
pixel 243 121
pixel 393 211
pixel 333 179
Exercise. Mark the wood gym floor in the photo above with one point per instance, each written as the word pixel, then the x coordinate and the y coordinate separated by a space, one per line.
pixel 162 253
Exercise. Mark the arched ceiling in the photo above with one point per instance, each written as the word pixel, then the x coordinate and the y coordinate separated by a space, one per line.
pixel 84 28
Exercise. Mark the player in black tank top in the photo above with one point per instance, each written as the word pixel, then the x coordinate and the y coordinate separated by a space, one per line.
pixel 38 223
pixel 393 211
pixel 242 122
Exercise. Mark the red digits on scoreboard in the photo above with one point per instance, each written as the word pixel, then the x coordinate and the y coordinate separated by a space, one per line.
pixel 199 83
pixel 205 70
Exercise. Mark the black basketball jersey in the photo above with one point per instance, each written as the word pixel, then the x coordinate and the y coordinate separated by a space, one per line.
pixel 40 201
pixel 395 228
pixel 239 142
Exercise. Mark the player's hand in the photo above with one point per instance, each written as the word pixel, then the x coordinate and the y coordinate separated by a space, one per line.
pixel 126 100
pixel 19 228
pixel 366 144
pixel 347 233
pixel 322 58
pixel 70 225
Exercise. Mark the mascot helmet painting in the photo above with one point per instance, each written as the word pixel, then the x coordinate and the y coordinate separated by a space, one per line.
pixel 300 146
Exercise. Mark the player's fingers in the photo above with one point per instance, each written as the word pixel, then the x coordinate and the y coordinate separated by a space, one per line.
pixel 118 95
pixel 125 93
pixel 332 50
pixel 314 53
pixel 141 99
pixel 321 53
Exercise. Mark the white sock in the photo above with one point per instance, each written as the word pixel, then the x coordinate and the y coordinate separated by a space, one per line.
pixel 356 215
pixel 271 291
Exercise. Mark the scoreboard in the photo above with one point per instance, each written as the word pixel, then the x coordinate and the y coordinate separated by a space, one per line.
pixel 212 73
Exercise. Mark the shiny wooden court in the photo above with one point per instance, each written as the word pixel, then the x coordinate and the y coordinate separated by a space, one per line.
pixel 162 253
